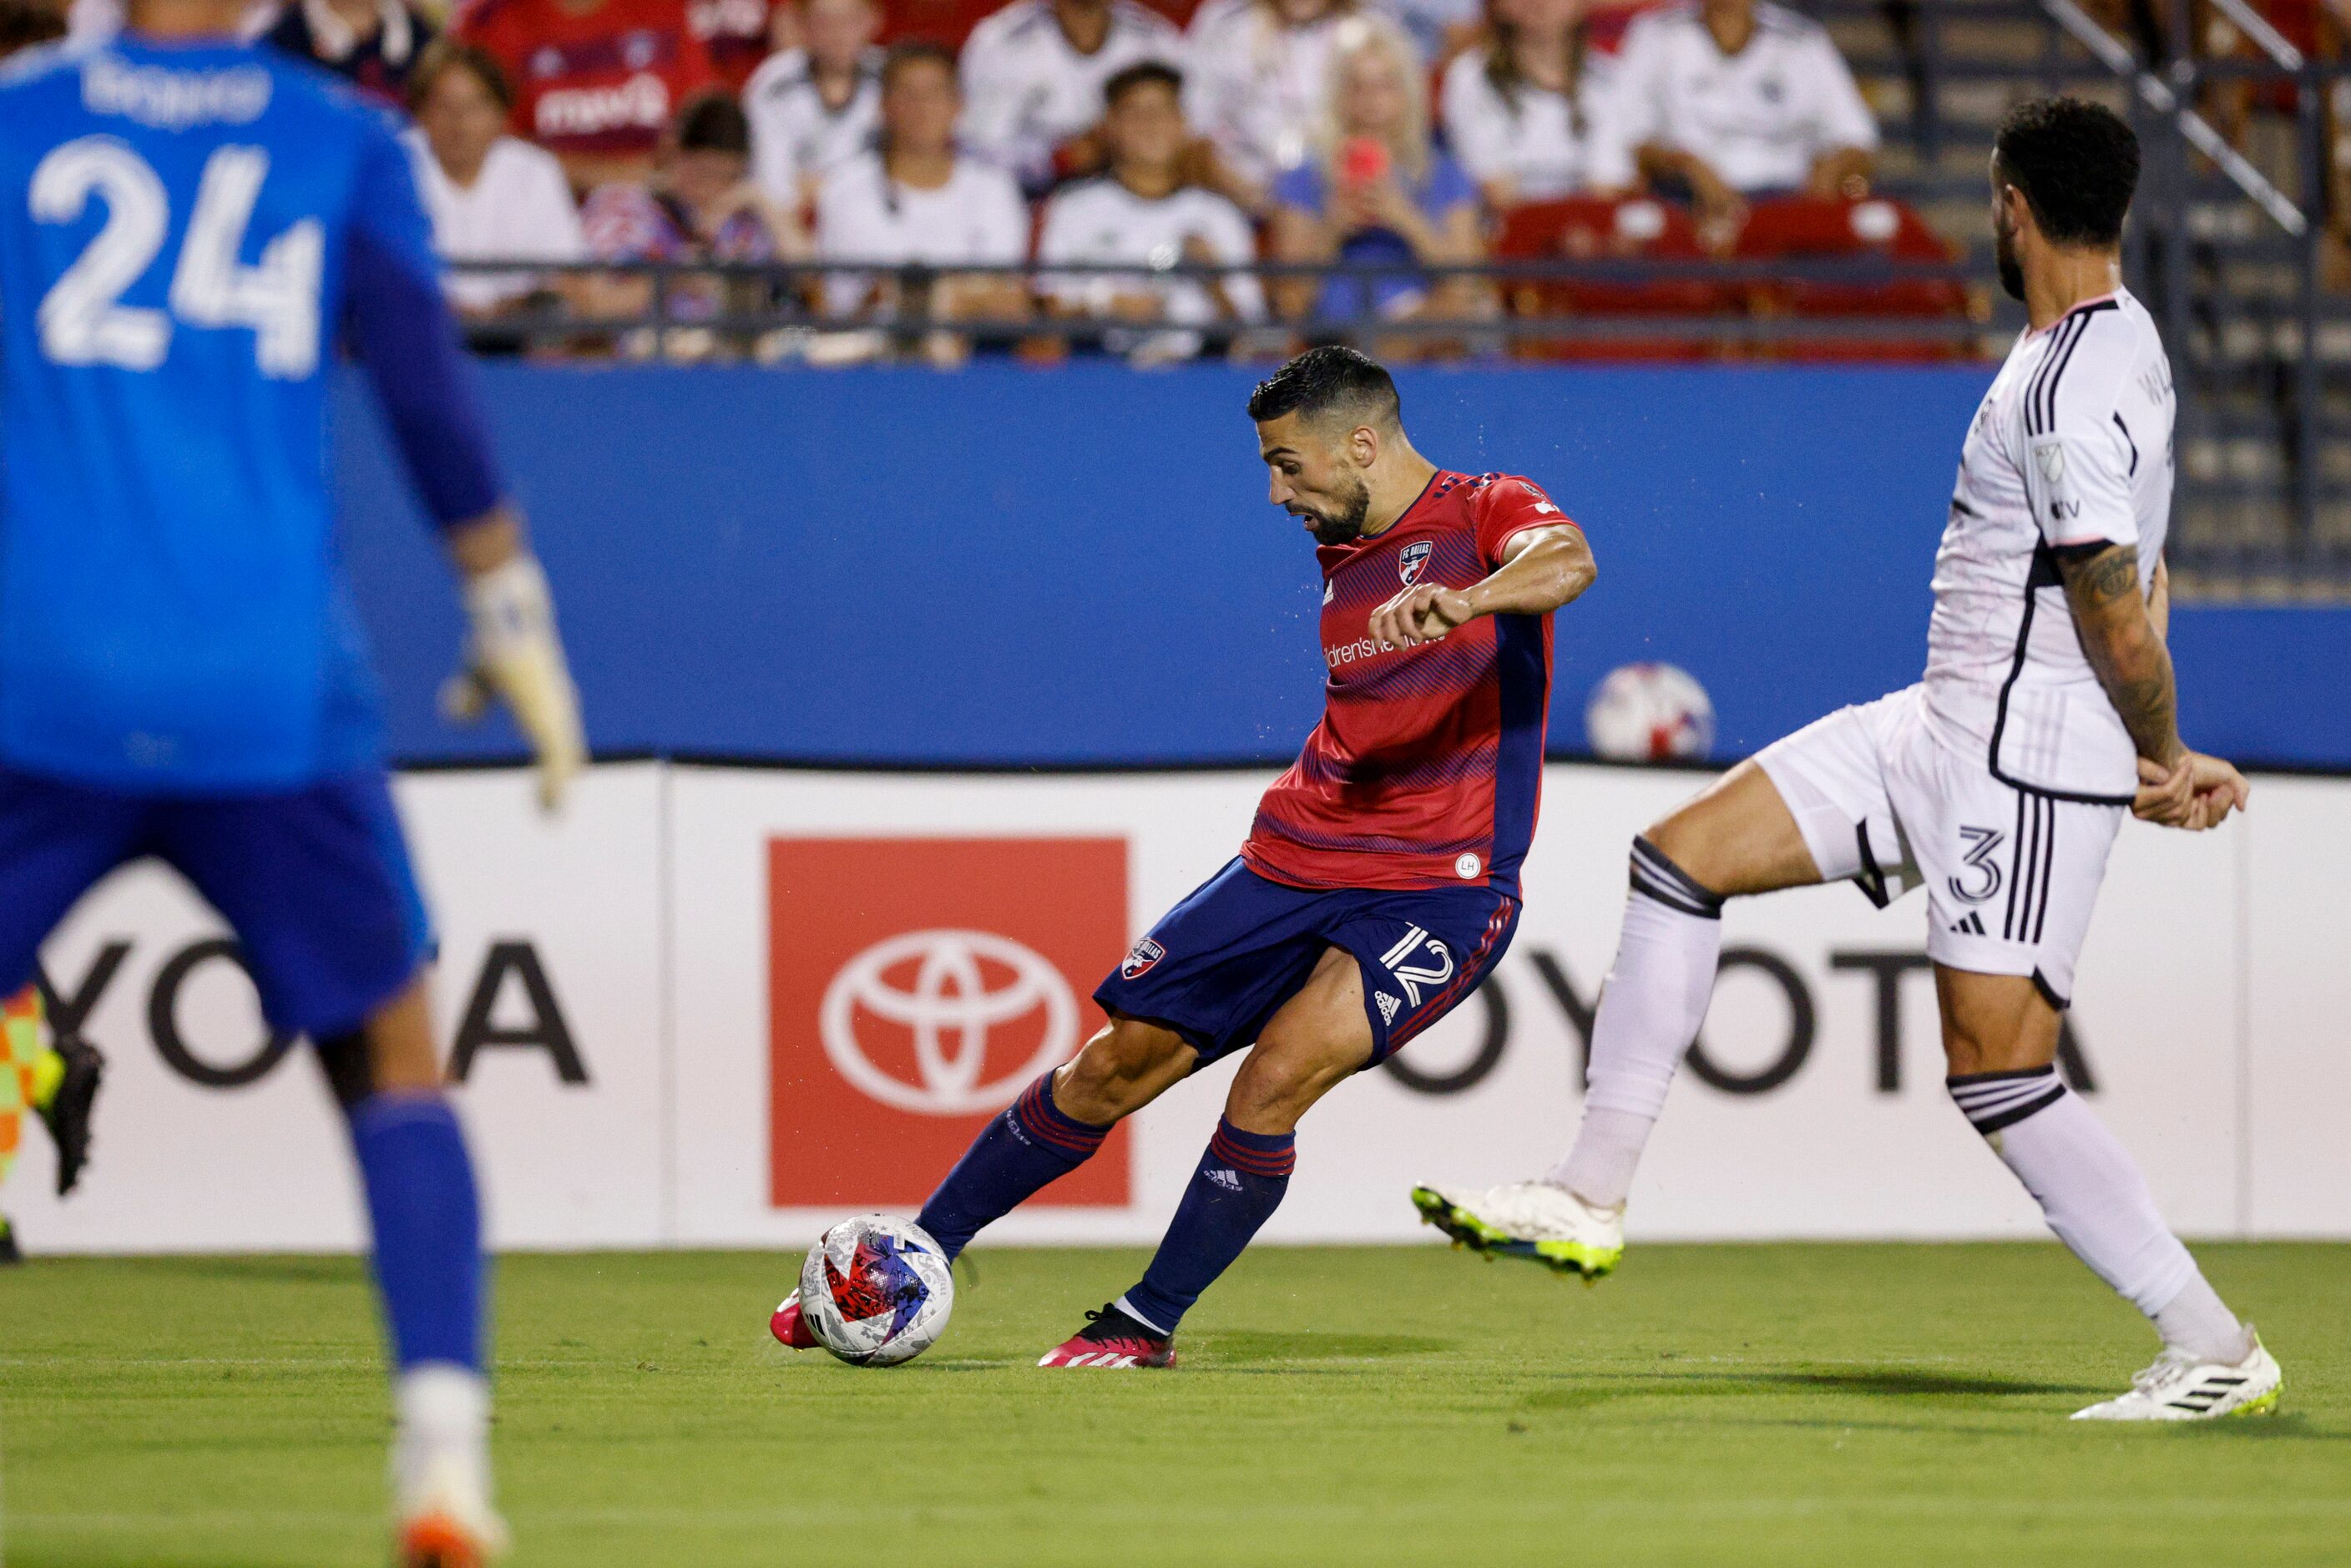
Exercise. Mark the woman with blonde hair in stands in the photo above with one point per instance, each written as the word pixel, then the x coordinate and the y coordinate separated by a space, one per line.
pixel 1525 109
pixel 1378 191
pixel 1255 85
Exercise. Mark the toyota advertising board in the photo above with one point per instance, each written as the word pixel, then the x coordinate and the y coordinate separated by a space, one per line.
pixel 724 1006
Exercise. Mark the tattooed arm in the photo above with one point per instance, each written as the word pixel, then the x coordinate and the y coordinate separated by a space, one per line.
pixel 2179 787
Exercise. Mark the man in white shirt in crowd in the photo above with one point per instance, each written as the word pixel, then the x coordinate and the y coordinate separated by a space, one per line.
pixel 491 196
pixel 814 107
pixel 916 200
pixel 1734 98
pixel 1141 212
pixel 1034 73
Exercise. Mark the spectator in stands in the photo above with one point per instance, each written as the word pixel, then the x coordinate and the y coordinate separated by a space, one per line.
pixel 1259 70
pixel 1033 74
pixel 597 83
pixel 734 33
pixel 1377 191
pixel 916 202
pixel 1142 213
pixel 372 42
pixel 815 107
pixel 1728 99
pixel 491 196
pixel 701 206
pixel 1440 29
pixel 1525 110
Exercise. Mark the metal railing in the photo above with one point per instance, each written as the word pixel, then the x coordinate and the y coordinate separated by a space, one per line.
pixel 742 310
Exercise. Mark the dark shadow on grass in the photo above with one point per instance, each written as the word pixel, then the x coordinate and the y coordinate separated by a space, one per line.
pixel 1896 1382
pixel 1226 1348
pixel 267 1268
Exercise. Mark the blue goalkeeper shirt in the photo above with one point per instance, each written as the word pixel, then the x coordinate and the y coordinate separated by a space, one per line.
pixel 188 231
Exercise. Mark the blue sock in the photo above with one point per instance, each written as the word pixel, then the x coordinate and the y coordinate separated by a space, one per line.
pixel 427 1227
pixel 1030 1145
pixel 1238 1186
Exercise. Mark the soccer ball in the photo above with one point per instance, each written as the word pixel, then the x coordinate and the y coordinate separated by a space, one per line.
pixel 1649 713
pixel 877 1290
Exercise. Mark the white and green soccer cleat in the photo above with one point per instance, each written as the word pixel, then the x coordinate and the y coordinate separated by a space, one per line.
pixel 2178 1387
pixel 1530 1219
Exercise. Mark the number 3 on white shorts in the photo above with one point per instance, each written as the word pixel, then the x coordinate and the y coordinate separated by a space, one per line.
pixel 1414 975
pixel 83 318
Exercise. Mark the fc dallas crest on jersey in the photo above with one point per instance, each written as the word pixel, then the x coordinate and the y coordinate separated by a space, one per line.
pixel 1412 562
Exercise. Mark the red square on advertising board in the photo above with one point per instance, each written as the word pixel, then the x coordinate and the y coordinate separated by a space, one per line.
pixel 915 988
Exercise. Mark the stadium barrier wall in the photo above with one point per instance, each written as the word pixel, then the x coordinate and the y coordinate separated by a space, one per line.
pixel 724 1006
pixel 1079 567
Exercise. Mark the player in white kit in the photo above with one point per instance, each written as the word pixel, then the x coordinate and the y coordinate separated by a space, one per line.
pixel 1999 783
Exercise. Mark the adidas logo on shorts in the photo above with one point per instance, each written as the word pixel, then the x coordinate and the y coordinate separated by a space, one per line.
pixel 1388 1005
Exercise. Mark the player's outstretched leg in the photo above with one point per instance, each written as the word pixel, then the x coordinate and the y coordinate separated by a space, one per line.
pixel 1318 1039
pixel 59 1083
pixel 425 1219
pixel 1737 838
pixel 1052 1129
pixel 2000 1036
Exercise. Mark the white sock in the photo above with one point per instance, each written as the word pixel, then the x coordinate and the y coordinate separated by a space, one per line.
pixel 1651 1006
pixel 445 1420
pixel 2096 1201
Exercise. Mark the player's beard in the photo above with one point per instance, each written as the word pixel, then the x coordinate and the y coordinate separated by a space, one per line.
pixel 1347 524
pixel 2012 269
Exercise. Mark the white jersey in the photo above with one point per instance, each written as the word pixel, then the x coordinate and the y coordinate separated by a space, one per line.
pixel 1257 87
pixel 519 208
pixel 863 214
pixel 1758 118
pixel 1545 146
pixel 2072 445
pixel 1025 90
pixel 1101 221
pixel 796 136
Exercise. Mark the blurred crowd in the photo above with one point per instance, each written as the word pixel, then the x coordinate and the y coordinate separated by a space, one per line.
pixel 1123 140
pixel 947 148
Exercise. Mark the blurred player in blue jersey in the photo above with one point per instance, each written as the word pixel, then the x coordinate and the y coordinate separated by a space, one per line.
pixel 188 228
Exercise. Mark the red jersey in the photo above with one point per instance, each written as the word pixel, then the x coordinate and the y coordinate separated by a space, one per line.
pixel 605 82
pixel 1426 769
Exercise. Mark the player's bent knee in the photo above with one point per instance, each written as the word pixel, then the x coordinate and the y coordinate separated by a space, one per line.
pixel 1123 1068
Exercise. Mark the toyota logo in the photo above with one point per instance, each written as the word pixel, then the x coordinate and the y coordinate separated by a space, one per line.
pixel 950 1011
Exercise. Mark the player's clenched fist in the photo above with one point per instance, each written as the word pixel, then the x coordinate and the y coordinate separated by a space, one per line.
pixel 2195 793
pixel 1420 614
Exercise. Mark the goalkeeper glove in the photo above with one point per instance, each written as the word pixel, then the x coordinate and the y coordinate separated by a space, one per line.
pixel 514 656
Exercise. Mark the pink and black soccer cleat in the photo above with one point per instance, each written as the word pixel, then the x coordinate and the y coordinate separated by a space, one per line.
pixel 1114 1341
pixel 789 1324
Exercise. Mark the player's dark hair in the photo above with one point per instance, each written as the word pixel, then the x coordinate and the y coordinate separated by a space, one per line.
pixel 714 123
pixel 24 24
pixel 1142 73
pixel 444 55
pixel 2076 164
pixel 1331 379
pixel 916 52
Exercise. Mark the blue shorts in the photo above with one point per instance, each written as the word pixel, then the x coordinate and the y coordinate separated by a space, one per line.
pixel 1219 965
pixel 315 883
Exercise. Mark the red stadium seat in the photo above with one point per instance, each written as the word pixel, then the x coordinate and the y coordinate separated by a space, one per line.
pixel 1810 228
pixel 1593 228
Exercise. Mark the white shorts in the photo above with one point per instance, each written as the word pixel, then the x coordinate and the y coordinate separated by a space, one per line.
pixel 2010 874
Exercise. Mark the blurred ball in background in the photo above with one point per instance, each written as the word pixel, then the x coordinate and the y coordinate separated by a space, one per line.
pixel 1649 713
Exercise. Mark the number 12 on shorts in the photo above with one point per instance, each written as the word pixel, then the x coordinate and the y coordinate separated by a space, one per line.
pixel 1413 976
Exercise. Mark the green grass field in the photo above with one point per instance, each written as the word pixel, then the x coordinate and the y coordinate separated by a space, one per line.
pixel 1711 1404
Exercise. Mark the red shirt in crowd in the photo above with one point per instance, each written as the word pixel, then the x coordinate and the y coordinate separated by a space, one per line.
pixel 1426 769
pixel 603 82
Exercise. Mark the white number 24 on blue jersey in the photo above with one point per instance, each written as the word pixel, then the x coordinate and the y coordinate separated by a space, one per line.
pixel 83 318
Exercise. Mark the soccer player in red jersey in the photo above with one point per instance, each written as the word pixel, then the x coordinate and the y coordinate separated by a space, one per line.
pixel 1381 880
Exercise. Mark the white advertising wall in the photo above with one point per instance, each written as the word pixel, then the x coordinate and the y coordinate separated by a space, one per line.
pixel 719 1006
